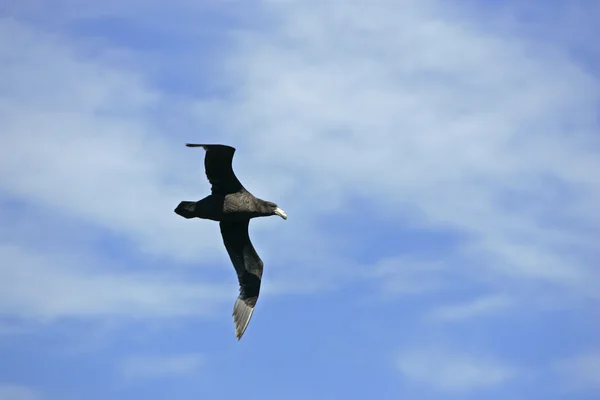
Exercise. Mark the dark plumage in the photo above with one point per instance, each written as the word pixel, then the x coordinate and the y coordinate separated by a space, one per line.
pixel 233 206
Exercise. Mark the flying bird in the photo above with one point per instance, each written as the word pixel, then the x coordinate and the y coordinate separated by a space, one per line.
pixel 232 206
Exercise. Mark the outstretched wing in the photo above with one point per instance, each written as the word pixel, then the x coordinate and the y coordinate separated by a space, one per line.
pixel 249 269
pixel 219 169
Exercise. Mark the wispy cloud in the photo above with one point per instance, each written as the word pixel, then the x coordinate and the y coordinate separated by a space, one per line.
pixel 151 367
pixel 83 143
pixel 470 143
pixel 400 276
pixel 452 372
pixel 582 370
pixel 18 392
pixel 481 306
pixel 75 287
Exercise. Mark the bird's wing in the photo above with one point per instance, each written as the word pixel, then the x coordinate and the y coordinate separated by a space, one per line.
pixel 249 268
pixel 219 169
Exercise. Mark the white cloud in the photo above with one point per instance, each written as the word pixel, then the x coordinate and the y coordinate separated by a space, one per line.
pixel 79 139
pixel 46 286
pixel 438 122
pixel 452 372
pixel 17 392
pixel 481 306
pixel 151 367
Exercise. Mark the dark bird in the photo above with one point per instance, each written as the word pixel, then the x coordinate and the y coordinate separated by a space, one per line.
pixel 233 206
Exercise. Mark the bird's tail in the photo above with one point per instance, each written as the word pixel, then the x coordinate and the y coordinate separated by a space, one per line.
pixel 242 312
pixel 186 209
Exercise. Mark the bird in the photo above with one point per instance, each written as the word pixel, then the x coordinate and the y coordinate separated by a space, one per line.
pixel 233 207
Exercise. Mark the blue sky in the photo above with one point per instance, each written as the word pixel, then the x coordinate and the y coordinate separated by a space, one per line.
pixel 436 160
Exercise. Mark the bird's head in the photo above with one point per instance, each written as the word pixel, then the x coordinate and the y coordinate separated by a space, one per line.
pixel 272 209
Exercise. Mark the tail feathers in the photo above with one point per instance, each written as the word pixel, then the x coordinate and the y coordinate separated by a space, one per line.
pixel 242 312
pixel 186 209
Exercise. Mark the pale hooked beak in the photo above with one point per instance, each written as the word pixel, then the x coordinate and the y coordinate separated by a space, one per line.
pixel 280 212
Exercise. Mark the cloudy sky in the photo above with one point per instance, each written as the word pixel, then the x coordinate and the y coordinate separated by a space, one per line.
pixel 438 162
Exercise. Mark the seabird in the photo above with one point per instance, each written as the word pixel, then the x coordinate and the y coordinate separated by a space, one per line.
pixel 232 206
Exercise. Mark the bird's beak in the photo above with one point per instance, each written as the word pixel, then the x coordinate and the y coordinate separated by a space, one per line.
pixel 280 212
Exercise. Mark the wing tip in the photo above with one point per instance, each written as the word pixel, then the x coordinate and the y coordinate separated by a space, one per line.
pixel 242 313
pixel 211 146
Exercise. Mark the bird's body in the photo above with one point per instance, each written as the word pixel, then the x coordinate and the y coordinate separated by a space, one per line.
pixel 232 206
